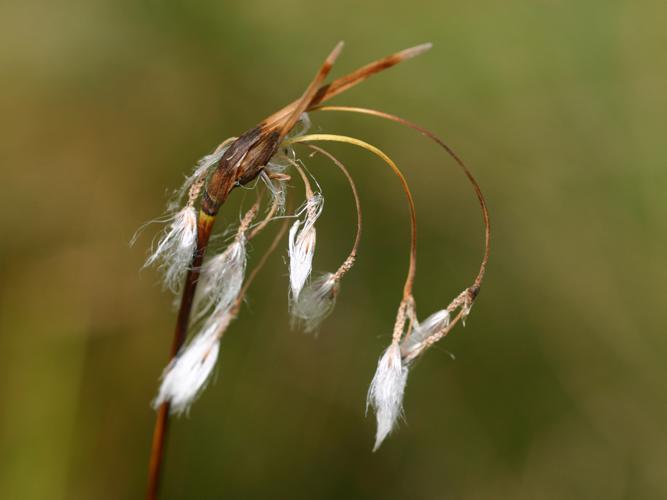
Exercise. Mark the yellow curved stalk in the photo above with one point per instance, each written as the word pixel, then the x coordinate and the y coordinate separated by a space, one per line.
pixel 409 281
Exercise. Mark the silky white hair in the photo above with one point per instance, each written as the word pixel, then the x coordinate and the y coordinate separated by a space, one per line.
pixel 274 178
pixel 175 248
pixel 315 302
pixel 435 323
pixel 199 173
pixel 221 278
pixel 302 239
pixel 188 373
pixel 385 394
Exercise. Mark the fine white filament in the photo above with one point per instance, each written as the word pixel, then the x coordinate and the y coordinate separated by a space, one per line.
pixel 199 173
pixel 385 395
pixel 302 238
pixel 222 278
pixel 175 248
pixel 315 302
pixel 186 375
pixel 277 188
pixel 435 323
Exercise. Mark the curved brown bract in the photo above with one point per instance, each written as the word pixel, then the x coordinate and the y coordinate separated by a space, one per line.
pixel 249 154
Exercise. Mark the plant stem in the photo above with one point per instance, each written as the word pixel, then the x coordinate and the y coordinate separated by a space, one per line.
pixel 204 226
pixel 427 133
pixel 409 280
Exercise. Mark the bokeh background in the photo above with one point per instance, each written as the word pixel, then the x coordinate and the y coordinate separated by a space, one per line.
pixel 557 389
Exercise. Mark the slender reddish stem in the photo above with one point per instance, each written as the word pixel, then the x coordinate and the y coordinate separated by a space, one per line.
pixel 204 227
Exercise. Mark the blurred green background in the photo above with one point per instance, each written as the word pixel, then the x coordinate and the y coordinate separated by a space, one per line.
pixel 558 387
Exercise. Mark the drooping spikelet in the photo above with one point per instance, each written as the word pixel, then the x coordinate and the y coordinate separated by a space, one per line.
pixel 412 345
pixel 175 248
pixel 188 373
pixel 315 302
pixel 385 395
pixel 302 238
pixel 221 278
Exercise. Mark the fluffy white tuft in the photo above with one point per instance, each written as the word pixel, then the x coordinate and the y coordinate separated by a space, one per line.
pixel 386 392
pixel 302 239
pixel 175 248
pixel 187 374
pixel 435 323
pixel 315 302
pixel 221 278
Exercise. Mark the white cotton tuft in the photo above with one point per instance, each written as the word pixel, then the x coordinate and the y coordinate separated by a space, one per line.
pixel 315 302
pixel 302 239
pixel 221 278
pixel 386 392
pixel 301 252
pixel 187 374
pixel 435 323
pixel 175 249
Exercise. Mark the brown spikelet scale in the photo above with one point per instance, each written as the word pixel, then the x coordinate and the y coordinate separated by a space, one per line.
pixel 253 149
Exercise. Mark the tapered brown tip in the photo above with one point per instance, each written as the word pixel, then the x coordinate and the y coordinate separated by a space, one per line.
pixel 335 52
pixel 415 51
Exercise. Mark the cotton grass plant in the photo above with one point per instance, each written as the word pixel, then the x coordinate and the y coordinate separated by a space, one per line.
pixel 212 285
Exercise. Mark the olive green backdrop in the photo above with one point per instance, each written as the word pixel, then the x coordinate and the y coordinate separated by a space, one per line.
pixel 557 389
